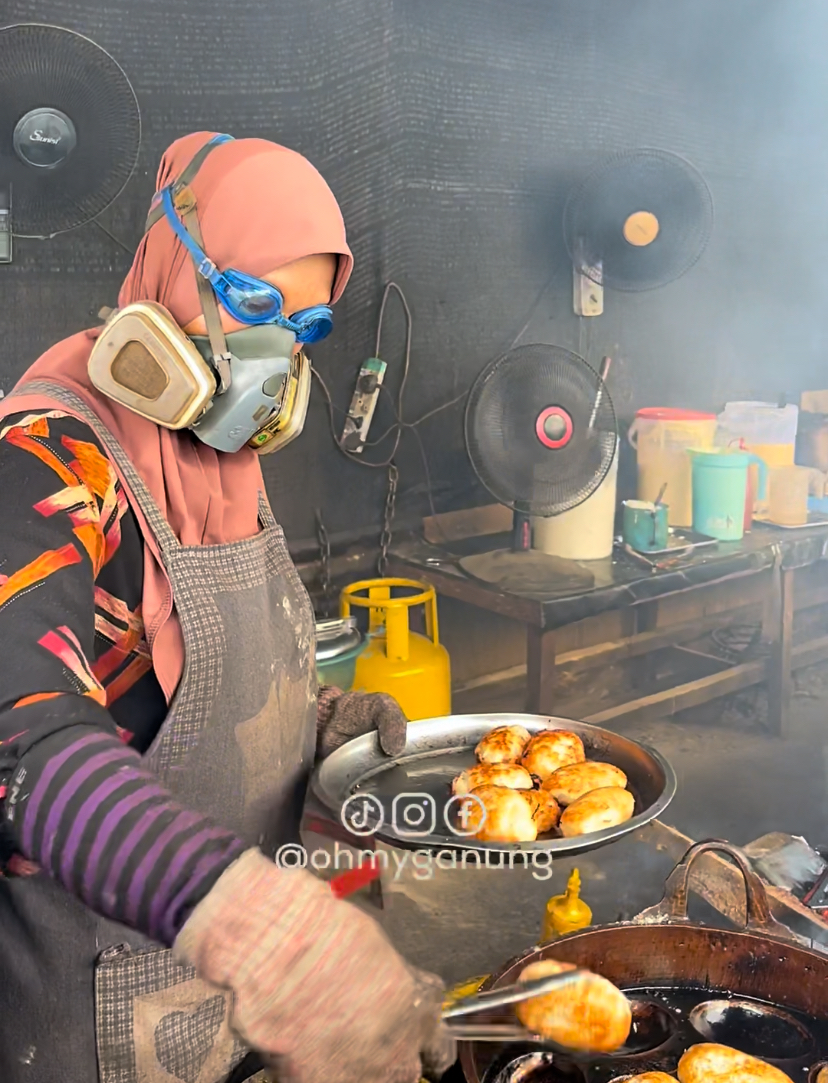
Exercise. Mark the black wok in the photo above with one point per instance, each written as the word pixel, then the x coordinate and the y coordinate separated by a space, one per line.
pixel 756 988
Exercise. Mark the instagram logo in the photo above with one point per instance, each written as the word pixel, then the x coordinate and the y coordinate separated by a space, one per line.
pixel 414 815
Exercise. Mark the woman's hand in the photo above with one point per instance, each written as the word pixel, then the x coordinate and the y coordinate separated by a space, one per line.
pixel 345 715
pixel 317 987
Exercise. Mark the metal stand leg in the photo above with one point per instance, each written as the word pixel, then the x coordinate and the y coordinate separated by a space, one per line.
pixel 780 676
pixel 645 619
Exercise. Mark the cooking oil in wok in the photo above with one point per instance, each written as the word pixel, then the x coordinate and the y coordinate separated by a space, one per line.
pixel 768 1032
pixel 667 1022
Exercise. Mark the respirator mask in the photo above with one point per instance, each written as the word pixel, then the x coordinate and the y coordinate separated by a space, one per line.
pixel 231 389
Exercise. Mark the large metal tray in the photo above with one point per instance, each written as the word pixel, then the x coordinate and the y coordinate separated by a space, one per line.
pixel 815 518
pixel 360 776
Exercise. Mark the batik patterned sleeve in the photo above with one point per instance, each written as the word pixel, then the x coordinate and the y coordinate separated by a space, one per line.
pixel 77 799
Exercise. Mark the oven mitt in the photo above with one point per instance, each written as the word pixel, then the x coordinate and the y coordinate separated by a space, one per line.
pixel 317 988
pixel 344 715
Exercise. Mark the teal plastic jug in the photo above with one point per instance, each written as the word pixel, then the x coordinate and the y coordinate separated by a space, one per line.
pixel 719 491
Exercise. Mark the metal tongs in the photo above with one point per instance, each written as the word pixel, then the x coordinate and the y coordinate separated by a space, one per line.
pixel 456 1014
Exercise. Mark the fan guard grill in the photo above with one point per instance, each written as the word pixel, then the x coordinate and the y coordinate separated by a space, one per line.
pixel 653 181
pixel 503 412
pixel 49 67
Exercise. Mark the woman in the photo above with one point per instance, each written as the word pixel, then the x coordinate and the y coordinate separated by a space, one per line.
pixel 158 704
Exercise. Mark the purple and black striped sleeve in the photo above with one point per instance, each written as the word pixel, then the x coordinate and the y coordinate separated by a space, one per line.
pixel 78 801
pixel 83 808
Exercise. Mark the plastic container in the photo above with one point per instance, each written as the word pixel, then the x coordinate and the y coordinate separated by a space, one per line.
pixel 585 532
pixel 338 645
pixel 750 498
pixel 750 494
pixel 720 481
pixel 812 441
pixel 645 526
pixel 662 437
pixel 788 495
pixel 767 430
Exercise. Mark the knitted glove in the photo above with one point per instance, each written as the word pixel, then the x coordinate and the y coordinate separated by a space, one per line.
pixel 343 715
pixel 317 988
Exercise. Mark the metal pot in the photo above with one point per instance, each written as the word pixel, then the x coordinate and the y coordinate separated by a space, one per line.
pixel 338 645
pixel 662 949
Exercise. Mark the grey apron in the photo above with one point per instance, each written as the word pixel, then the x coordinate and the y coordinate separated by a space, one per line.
pixel 83 999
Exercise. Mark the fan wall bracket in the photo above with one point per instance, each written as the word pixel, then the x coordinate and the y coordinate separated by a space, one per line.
pixel 6 234
pixel 587 294
pixel 587 282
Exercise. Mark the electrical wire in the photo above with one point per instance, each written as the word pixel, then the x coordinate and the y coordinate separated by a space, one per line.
pixel 424 457
pixel 397 428
pixel 531 314
pixel 399 425
pixel 129 251
pixel 409 324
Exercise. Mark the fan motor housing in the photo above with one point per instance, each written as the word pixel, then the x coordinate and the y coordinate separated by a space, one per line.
pixel 44 138
pixel 554 427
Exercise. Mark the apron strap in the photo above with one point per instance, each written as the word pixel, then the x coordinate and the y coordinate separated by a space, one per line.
pixel 162 530
pixel 266 517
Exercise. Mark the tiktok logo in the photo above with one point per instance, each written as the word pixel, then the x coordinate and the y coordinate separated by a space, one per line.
pixel 362 814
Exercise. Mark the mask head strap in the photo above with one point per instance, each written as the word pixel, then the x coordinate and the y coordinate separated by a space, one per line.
pixel 184 203
pixel 187 177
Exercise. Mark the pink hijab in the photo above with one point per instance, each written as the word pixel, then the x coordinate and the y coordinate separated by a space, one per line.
pixel 260 206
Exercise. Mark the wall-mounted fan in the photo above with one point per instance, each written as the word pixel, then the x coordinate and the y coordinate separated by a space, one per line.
pixel 541 436
pixel 70 129
pixel 639 221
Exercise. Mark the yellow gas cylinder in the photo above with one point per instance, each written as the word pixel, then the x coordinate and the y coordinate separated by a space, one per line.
pixel 566 913
pixel 413 668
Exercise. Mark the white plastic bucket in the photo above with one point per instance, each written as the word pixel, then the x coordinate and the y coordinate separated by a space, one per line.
pixel 585 532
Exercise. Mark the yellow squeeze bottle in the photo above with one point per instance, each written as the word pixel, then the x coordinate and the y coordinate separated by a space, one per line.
pixel 566 913
pixel 464 989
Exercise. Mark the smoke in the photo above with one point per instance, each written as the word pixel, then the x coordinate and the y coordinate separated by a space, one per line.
pixel 506 105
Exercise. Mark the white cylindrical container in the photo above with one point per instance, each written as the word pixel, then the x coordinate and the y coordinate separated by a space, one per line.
pixel 585 532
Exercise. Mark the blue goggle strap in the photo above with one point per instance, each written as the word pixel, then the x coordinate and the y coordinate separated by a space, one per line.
pixel 164 205
pixel 188 232
pixel 169 199
pixel 206 268
pixel 177 204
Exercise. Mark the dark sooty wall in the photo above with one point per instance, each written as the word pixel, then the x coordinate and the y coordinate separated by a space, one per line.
pixel 451 132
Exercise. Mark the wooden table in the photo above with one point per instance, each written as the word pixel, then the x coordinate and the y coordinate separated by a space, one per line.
pixel 772 573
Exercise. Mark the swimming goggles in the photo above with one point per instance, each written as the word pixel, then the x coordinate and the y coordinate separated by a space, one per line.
pixel 249 300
